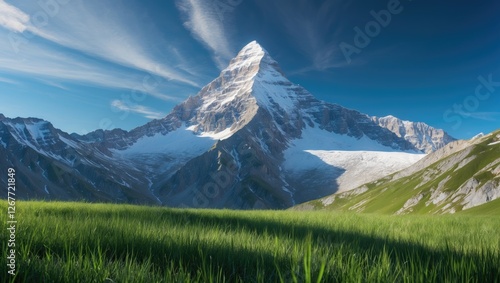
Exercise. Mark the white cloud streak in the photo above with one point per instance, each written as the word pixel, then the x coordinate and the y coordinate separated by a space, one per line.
pixel 139 109
pixel 54 66
pixel 8 81
pixel 313 28
pixel 207 26
pixel 485 116
pixel 111 38
pixel 110 33
pixel 12 18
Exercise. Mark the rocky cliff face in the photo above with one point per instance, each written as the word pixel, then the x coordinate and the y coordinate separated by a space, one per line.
pixel 421 135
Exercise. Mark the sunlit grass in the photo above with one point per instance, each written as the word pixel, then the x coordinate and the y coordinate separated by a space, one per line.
pixel 75 242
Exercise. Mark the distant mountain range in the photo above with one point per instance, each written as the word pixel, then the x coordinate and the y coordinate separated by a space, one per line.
pixel 249 139
pixel 421 135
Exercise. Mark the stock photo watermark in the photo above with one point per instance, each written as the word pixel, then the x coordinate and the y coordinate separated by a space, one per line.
pixel 224 177
pixel 39 19
pixel 466 109
pixel 11 221
pixel 223 7
pixel 150 82
pixel 363 37
pixel 220 180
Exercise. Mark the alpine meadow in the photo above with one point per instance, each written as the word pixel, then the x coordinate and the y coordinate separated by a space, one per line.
pixel 77 242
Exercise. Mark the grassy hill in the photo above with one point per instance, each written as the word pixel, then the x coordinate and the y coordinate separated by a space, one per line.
pixel 467 178
pixel 75 242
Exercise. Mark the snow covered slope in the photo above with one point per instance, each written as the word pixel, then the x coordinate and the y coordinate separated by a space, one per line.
pixel 460 176
pixel 360 160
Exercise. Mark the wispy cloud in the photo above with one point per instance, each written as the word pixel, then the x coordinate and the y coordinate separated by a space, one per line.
pixel 111 33
pixel 314 27
pixel 113 47
pixel 12 18
pixel 139 109
pixel 485 116
pixel 53 84
pixel 51 65
pixel 207 26
pixel 8 81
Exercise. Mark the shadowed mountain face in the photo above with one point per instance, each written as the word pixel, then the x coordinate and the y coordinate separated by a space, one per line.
pixel 249 139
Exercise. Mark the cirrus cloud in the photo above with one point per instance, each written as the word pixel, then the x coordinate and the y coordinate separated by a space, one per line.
pixel 139 109
pixel 12 18
pixel 92 42
pixel 205 24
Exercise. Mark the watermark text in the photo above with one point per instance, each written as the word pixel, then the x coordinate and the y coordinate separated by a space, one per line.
pixel 11 221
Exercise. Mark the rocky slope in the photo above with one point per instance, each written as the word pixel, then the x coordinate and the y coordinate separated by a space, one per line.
pixel 51 164
pixel 421 135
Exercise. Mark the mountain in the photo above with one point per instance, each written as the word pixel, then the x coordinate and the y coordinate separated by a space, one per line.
pixel 421 135
pixel 248 139
pixel 460 176
pixel 51 164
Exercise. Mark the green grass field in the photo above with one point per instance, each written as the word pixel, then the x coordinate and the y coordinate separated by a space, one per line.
pixel 75 242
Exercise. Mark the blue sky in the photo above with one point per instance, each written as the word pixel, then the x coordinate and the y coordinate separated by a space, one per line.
pixel 94 64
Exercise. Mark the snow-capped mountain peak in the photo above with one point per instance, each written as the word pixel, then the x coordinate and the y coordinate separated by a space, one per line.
pixel 480 135
pixel 34 132
pixel 252 55
pixel 253 80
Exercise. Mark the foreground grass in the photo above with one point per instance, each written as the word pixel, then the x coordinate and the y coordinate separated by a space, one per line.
pixel 74 242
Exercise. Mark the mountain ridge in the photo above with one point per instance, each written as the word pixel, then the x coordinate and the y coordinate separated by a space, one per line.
pixel 252 118
pixel 421 135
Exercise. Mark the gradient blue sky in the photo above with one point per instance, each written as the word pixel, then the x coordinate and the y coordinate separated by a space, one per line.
pixel 94 64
